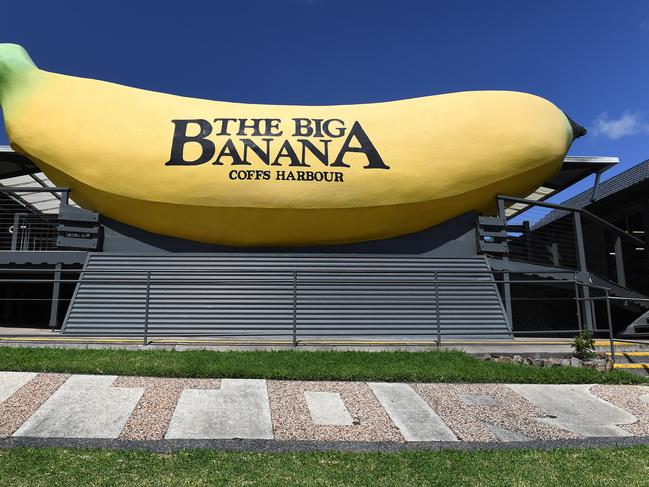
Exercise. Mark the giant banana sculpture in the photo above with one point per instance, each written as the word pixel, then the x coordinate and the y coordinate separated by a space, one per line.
pixel 244 174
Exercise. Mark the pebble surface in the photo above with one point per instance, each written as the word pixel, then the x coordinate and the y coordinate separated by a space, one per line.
pixel 474 412
pixel 152 414
pixel 628 398
pixel 292 420
pixel 511 411
pixel 17 409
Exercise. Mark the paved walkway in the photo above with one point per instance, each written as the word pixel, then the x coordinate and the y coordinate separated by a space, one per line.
pixel 51 406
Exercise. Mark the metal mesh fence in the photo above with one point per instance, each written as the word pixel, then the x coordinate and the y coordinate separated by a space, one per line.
pixel 23 227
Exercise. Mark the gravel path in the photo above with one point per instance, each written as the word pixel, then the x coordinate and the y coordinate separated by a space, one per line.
pixel 629 398
pixel 26 400
pixel 150 418
pixel 474 412
pixel 292 420
pixel 469 409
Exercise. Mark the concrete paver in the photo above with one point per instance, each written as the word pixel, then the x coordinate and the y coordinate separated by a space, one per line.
pixel 478 399
pixel 574 408
pixel 513 412
pixel 240 409
pixel 504 434
pixel 85 406
pixel 628 398
pixel 327 408
pixel 293 421
pixel 102 407
pixel 414 418
pixel 10 382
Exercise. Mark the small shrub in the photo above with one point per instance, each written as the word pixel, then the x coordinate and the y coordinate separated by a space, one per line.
pixel 584 346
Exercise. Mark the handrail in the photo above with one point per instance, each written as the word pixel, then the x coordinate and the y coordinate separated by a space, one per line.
pixel 34 189
pixel 590 215
pixel 289 279
pixel 275 271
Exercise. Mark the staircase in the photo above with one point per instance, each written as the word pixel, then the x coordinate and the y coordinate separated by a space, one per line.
pixel 630 357
pixel 639 327
pixel 322 296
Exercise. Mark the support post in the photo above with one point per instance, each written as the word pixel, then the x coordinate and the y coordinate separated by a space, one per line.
pixel 56 288
pixel 528 243
pixel 14 235
pixel 294 308
pixel 619 262
pixel 437 317
pixel 610 327
pixel 507 292
pixel 583 270
pixel 553 248
pixel 593 194
pixel 579 323
pixel 146 308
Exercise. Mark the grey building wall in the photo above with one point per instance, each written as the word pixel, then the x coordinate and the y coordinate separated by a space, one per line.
pixel 453 238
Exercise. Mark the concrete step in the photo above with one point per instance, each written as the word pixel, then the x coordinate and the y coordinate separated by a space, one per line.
pixel 629 354
pixel 635 362
pixel 620 346
pixel 636 369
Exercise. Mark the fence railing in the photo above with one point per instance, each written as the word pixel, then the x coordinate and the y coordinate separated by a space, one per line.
pixel 550 234
pixel 399 304
pixel 25 223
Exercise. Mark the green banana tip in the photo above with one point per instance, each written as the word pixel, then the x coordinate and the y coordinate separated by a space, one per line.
pixel 577 130
pixel 14 63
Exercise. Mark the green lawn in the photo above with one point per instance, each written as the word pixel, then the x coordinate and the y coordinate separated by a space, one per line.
pixel 562 467
pixel 436 366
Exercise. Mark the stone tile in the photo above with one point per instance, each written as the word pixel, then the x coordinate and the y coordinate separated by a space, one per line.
pixel 292 419
pixel 18 407
pixel 240 409
pixel 10 382
pixel 414 418
pixel 513 416
pixel 151 417
pixel 83 407
pixel 633 399
pixel 327 408
pixel 574 408
pixel 504 434
pixel 478 399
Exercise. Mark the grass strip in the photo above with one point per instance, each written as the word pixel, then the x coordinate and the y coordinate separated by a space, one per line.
pixel 434 366
pixel 560 467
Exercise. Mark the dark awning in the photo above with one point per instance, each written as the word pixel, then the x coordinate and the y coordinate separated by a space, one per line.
pixel 576 168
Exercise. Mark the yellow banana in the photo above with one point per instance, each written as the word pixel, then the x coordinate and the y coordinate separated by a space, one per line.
pixel 244 174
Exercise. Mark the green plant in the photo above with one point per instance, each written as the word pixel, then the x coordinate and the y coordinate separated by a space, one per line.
pixel 584 346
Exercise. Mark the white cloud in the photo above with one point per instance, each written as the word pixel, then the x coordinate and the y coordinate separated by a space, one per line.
pixel 630 123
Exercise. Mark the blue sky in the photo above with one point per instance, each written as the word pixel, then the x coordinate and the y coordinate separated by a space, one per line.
pixel 590 57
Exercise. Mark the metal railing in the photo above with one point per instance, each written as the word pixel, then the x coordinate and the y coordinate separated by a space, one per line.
pixel 424 293
pixel 25 227
pixel 607 298
pixel 550 235
pixel 553 235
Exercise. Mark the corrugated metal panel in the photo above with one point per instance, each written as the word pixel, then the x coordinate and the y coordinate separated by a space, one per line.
pixel 253 294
